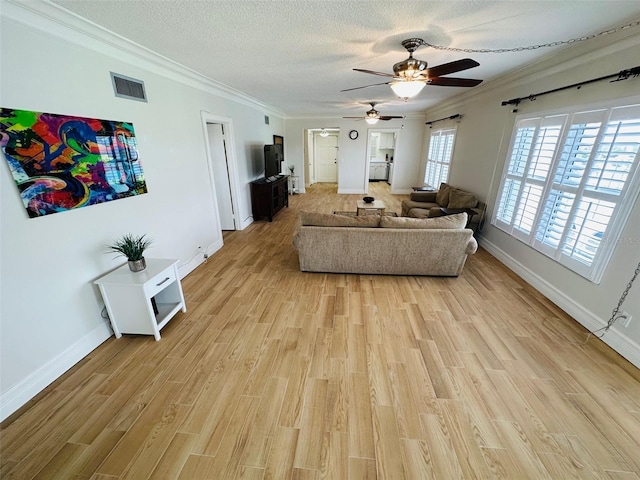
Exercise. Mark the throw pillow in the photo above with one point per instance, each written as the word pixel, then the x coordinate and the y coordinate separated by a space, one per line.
pixel 332 220
pixel 461 199
pixel 457 221
pixel 442 195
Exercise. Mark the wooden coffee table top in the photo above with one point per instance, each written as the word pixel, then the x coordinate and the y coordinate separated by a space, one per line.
pixel 376 204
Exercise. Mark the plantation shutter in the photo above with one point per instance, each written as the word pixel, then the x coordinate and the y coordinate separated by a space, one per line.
pixel 563 190
pixel 439 157
pixel 532 154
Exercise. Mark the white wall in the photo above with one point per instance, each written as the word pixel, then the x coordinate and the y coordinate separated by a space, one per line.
pixel 353 155
pixel 50 309
pixel 481 146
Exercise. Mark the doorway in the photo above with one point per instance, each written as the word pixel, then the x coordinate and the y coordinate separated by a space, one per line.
pixel 222 169
pixel 381 146
pixel 322 154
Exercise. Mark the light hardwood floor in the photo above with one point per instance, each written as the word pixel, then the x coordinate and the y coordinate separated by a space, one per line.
pixel 277 374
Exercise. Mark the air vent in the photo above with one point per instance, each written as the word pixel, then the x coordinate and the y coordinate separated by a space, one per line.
pixel 126 87
pixel 266 119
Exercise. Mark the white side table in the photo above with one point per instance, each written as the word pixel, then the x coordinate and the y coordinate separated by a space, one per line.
pixel 142 302
pixel 293 184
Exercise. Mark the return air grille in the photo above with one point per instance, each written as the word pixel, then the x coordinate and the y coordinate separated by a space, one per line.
pixel 126 87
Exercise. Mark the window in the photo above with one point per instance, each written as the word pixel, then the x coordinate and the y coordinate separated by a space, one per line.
pixel 570 182
pixel 439 157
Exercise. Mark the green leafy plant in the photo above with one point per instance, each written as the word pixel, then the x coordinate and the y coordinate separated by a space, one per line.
pixel 130 246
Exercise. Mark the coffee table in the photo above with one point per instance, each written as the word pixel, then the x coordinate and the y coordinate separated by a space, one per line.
pixel 363 206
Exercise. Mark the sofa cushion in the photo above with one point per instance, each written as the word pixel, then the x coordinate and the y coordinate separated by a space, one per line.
pixel 457 221
pixel 442 195
pixel 408 205
pixel 418 213
pixel 423 197
pixel 436 212
pixel 461 199
pixel 426 212
pixel 317 219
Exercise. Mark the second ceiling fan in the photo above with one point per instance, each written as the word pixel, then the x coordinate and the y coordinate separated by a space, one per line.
pixel 372 116
pixel 411 75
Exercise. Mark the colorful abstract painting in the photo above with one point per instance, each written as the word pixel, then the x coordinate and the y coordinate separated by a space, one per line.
pixel 61 162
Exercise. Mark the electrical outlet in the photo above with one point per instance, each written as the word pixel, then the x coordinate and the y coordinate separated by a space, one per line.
pixel 625 318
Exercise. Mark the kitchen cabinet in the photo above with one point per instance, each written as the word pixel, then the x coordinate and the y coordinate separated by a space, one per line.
pixel 387 141
pixel 373 146
pixel 378 171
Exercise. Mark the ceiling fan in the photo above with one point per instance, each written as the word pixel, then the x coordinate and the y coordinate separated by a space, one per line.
pixel 372 116
pixel 411 75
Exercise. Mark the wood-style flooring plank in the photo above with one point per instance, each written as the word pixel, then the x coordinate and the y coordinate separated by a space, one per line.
pixel 312 425
pixel 277 374
pixel 387 443
pixel 280 461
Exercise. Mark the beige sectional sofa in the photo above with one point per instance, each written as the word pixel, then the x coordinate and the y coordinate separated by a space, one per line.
pixel 383 245
pixel 429 204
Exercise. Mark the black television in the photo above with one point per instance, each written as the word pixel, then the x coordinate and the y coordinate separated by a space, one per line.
pixel 272 160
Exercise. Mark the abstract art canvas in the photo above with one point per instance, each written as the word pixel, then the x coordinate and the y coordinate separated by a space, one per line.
pixel 62 162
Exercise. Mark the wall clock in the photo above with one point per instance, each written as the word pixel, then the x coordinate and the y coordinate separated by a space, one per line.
pixel 353 134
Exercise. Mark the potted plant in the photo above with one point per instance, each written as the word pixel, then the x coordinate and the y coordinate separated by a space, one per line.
pixel 133 248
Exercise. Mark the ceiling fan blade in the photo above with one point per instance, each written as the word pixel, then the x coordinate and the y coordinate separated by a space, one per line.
pixel 454 82
pixel 388 117
pixel 358 118
pixel 371 72
pixel 452 67
pixel 357 88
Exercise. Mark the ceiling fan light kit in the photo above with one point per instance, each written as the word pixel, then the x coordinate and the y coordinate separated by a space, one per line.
pixel 411 75
pixel 372 116
pixel 407 88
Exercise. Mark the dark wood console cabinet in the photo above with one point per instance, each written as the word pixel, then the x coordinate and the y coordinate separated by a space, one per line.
pixel 269 197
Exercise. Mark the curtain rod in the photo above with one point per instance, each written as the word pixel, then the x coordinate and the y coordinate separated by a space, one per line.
pixel 621 75
pixel 457 115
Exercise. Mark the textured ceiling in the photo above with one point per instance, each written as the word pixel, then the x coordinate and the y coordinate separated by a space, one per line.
pixel 297 55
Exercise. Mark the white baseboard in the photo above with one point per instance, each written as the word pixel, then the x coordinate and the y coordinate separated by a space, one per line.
pixel 351 191
pixel 214 247
pixel 614 338
pixel 20 394
pixel 189 267
pixel 245 223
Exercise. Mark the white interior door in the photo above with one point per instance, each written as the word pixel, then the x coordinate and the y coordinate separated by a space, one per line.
pixel 221 175
pixel 326 158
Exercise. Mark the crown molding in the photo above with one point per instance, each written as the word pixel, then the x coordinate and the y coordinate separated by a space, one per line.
pixel 51 19
pixel 562 61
